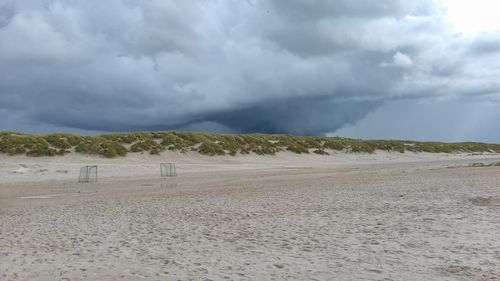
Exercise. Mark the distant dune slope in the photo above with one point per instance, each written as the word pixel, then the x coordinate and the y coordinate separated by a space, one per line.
pixel 118 145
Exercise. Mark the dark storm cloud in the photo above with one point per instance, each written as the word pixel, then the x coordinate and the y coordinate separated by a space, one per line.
pixel 304 67
pixel 296 116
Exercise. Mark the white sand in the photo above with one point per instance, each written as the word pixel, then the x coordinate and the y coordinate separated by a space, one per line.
pixel 387 216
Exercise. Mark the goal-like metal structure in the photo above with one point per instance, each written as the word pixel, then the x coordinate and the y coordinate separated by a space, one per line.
pixel 168 170
pixel 88 174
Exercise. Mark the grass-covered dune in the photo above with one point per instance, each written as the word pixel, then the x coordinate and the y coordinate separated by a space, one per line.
pixel 115 145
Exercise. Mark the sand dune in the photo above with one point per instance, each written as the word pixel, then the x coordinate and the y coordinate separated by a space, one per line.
pixel 290 217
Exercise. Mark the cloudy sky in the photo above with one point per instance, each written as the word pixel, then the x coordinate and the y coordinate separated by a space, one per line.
pixel 422 69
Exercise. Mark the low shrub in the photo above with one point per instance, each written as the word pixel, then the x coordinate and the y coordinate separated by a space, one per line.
pixel 113 145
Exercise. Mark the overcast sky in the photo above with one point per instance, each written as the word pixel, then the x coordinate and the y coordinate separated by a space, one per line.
pixel 399 69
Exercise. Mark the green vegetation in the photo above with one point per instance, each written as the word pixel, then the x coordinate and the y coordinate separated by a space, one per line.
pixel 114 145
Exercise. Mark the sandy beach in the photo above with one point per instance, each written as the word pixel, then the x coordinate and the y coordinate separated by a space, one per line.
pixel 386 216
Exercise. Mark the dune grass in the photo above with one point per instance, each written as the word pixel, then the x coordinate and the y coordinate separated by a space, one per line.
pixel 119 145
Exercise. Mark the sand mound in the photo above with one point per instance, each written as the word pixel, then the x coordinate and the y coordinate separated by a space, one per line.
pixel 481 201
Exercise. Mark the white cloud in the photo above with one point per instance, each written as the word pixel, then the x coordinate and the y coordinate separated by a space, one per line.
pixel 402 60
pixel 472 17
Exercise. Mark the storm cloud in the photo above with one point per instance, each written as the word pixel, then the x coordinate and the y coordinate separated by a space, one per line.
pixel 303 67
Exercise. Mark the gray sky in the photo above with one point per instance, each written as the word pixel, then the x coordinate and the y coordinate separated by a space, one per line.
pixel 373 69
